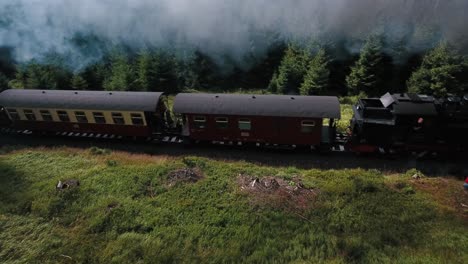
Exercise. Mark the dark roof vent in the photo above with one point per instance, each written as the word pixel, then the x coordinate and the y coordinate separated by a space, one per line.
pixel 216 96
pixel 76 92
pixel 254 97
pixel 292 98
pixel 387 100
pixel 43 92
pixel 110 93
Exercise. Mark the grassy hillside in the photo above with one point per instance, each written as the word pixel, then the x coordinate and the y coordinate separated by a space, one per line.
pixel 140 209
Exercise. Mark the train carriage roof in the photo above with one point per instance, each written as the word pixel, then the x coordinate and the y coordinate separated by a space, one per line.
pixel 258 105
pixel 86 100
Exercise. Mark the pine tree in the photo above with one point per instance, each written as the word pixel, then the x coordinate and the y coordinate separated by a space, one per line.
pixel 291 71
pixel 41 76
pixel 166 72
pixel 20 79
pixel 121 74
pixel 204 70
pixel 367 74
pixel 147 71
pixel 78 82
pixel 35 78
pixel 273 86
pixel 95 75
pixel 317 78
pixel 439 74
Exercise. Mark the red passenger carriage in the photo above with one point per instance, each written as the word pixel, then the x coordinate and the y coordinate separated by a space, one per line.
pixel 265 119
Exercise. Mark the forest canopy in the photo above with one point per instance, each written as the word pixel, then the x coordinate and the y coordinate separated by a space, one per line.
pixel 288 68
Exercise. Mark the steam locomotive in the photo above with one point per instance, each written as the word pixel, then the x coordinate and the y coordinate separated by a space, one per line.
pixel 410 122
pixel 392 123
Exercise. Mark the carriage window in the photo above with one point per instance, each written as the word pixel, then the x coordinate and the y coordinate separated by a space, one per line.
pixel 307 126
pixel 245 124
pixel 199 122
pixel 81 117
pixel 222 122
pixel 13 114
pixel 63 116
pixel 118 119
pixel 137 119
pixel 46 116
pixel 29 115
pixel 99 118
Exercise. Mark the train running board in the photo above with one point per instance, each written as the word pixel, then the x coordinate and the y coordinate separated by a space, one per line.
pixel 170 139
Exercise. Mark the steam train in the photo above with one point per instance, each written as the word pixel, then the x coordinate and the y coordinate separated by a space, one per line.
pixel 392 123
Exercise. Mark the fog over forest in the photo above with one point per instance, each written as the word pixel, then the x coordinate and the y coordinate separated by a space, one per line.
pixel 234 29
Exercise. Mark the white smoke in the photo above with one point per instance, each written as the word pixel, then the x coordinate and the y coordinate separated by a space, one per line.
pixel 234 28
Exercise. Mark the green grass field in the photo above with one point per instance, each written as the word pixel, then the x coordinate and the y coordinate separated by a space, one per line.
pixel 125 211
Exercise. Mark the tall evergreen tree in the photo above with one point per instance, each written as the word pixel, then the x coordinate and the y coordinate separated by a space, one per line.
pixel 367 74
pixel 95 75
pixel 440 73
pixel 167 72
pixel 121 74
pixel 41 76
pixel 291 71
pixel 273 86
pixel 78 82
pixel 317 78
pixel 147 71
pixel 204 71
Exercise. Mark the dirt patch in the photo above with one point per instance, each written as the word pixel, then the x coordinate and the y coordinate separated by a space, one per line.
pixel 448 193
pixel 191 175
pixel 290 195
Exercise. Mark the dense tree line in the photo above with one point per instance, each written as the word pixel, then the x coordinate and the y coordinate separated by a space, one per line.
pixel 441 71
pixel 286 69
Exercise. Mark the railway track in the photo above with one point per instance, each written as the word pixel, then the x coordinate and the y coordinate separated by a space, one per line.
pixel 341 140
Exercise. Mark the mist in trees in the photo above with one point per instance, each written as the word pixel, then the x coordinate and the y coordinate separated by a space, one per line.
pixel 377 67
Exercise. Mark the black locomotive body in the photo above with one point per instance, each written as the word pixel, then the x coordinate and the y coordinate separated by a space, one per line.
pixel 409 122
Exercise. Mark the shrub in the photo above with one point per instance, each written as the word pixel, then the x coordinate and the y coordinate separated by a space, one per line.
pixel 112 163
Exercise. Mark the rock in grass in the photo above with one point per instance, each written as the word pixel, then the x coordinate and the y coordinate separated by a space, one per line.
pixel 67 184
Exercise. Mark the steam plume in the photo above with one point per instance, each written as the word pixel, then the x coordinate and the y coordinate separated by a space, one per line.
pixel 234 28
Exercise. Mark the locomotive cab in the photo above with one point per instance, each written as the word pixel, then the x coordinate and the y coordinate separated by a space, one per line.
pixel 409 122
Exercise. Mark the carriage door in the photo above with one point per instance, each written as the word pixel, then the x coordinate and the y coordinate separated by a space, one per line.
pixel 3 117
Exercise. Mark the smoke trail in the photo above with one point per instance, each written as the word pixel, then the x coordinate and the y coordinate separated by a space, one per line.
pixel 234 28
